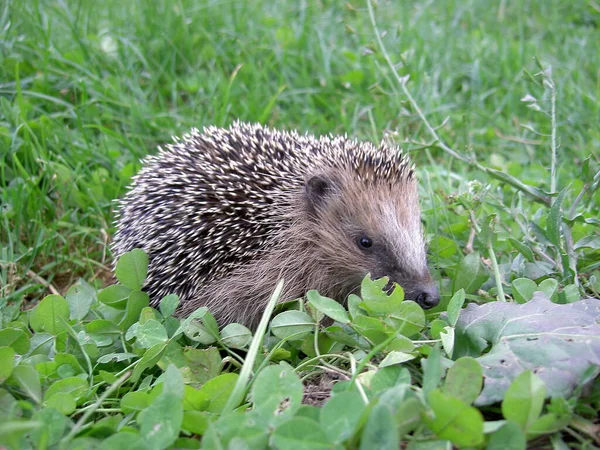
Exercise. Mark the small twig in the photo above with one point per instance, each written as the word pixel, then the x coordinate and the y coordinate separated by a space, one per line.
pixel 45 283
pixel 469 247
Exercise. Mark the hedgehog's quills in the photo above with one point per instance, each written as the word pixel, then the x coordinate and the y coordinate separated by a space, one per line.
pixel 226 213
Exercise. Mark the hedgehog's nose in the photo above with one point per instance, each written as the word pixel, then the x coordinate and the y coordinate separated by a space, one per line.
pixel 428 297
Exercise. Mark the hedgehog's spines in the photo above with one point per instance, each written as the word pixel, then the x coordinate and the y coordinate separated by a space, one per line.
pixel 211 201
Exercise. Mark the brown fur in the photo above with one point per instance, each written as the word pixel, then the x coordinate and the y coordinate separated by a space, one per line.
pixel 317 251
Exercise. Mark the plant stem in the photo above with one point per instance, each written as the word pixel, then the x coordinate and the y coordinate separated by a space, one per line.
pixel 500 176
pixel 552 87
pixel 237 395
pixel 496 269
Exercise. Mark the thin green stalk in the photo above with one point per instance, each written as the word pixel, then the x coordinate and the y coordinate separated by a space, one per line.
pixel 552 88
pixel 496 270
pixel 500 176
pixel 242 382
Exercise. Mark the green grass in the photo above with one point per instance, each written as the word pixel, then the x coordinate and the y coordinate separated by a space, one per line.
pixel 88 88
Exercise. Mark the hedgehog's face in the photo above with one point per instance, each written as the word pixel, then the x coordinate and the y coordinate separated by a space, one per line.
pixel 370 227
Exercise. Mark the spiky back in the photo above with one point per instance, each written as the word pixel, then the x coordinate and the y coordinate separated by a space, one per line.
pixel 215 200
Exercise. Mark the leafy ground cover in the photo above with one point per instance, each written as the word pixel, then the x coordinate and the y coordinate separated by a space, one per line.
pixel 497 104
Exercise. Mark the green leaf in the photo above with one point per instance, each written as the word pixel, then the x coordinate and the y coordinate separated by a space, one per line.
pixel 447 338
pixel 277 392
pixel 149 359
pixel 549 287
pixel 523 289
pixel 524 400
pixel 173 381
pixel 400 344
pixel 340 416
pixel 508 437
pixel 211 324
pixel 389 377
pixel 204 363
pixel 437 326
pixel 554 220
pixel 15 338
pixel 123 440
pixel 134 401
pixel 115 296
pixel 11 431
pixel 237 430
pixel 235 335
pixel 50 315
pixel 300 433
pixel 344 335
pixel 161 421
pixel 470 274
pixel 488 231
pixel 464 380
pixel 408 318
pixel 353 305
pixel 432 370
pixel 569 294
pixel 292 324
pixel 195 399
pixel 454 420
pixel 73 386
pixel 195 421
pixel 217 390
pixel 102 332
pixel 28 380
pixel 408 409
pixel 376 300
pixel 80 298
pixel 523 249
pixel 7 362
pixel 169 304
pixel 193 317
pixel 116 357
pixel 371 328
pixel 138 300
pixel 380 430
pixel 132 268
pixel 198 332
pixel 63 402
pixel 444 247
pixel 353 77
pixel 557 342
pixel 534 192
pixel 395 357
pixel 455 305
pixel 328 306
pixel 53 428
pixel 310 412
pixel 151 333
pixel 548 423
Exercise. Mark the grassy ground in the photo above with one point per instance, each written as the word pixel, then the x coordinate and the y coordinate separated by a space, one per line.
pixel 87 88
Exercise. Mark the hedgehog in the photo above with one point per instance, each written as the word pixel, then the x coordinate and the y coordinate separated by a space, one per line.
pixel 224 214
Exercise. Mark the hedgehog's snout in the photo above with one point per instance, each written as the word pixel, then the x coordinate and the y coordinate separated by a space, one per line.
pixel 426 295
pixel 429 297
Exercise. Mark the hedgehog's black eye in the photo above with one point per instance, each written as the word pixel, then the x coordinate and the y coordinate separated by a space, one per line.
pixel 365 242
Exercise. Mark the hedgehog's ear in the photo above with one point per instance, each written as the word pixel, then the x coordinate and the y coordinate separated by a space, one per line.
pixel 319 190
